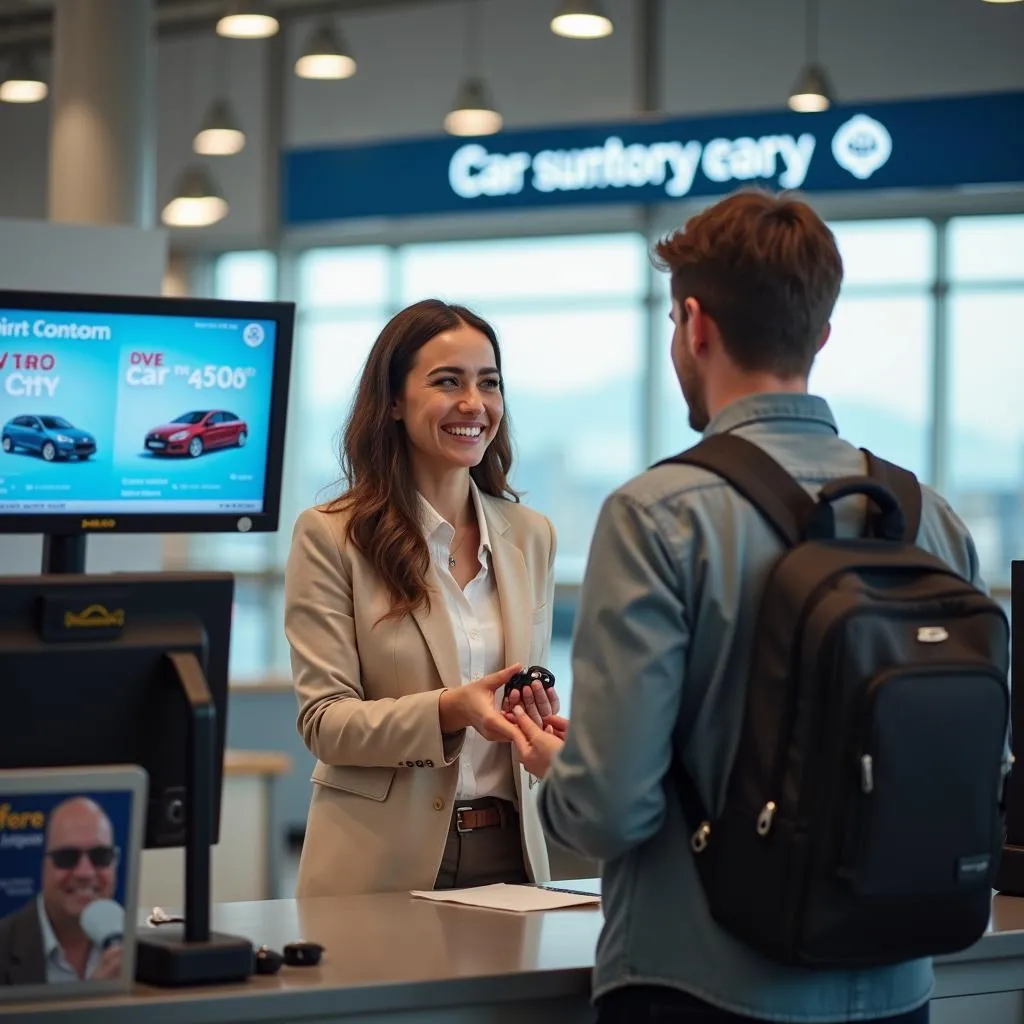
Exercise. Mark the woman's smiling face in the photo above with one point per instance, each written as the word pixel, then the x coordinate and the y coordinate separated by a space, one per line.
pixel 451 404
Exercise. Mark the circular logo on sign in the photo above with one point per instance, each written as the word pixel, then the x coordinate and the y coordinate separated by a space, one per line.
pixel 862 145
pixel 253 335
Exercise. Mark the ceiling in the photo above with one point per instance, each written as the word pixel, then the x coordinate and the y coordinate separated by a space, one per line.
pixel 29 21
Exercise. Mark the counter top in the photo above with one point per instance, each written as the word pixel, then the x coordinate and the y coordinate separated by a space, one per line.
pixel 408 959
pixel 256 762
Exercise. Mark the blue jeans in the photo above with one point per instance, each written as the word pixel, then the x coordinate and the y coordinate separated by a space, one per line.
pixel 657 1004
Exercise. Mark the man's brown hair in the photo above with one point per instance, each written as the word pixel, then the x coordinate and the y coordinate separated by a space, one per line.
pixel 766 269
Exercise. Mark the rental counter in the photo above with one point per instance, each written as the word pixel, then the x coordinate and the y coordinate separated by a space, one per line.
pixel 392 959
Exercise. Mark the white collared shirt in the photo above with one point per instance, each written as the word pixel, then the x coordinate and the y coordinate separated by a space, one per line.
pixel 485 768
pixel 57 966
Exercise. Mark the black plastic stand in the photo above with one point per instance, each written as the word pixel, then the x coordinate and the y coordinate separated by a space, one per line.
pixel 193 955
pixel 63 553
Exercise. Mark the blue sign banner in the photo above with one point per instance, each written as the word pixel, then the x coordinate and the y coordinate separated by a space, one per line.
pixel 919 144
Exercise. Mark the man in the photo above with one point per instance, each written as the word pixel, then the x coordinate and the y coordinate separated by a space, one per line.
pixel 44 941
pixel 665 630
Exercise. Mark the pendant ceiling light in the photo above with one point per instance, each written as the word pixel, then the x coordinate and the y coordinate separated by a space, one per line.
pixel 327 55
pixel 247 19
pixel 219 134
pixel 197 201
pixel 23 83
pixel 473 112
pixel 813 90
pixel 582 19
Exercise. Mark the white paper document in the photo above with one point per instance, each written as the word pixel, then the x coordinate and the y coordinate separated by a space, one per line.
pixel 521 898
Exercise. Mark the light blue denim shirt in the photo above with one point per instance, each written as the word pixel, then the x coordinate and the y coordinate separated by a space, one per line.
pixel 662 649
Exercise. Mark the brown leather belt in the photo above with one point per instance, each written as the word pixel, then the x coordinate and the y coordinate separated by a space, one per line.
pixel 469 819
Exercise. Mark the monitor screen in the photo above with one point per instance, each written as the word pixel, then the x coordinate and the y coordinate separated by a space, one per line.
pixel 141 413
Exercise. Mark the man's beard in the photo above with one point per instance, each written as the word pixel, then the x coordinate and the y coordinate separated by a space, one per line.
pixel 694 393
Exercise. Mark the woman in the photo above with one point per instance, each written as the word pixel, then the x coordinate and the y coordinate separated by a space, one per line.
pixel 409 602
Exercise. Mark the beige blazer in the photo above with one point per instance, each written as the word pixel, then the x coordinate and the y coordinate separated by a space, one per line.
pixel 385 778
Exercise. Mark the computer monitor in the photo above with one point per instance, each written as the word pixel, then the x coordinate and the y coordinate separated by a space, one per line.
pixel 132 668
pixel 141 414
pixel 85 678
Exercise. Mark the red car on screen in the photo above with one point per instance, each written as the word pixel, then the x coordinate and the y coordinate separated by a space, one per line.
pixel 193 433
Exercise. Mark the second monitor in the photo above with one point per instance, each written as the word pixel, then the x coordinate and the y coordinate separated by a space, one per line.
pixel 86 678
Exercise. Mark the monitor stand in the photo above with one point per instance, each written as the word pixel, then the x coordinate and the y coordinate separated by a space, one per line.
pixel 193 955
pixel 63 553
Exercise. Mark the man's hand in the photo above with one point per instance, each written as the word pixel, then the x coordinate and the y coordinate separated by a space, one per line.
pixel 537 747
pixel 473 706
pixel 109 967
pixel 557 725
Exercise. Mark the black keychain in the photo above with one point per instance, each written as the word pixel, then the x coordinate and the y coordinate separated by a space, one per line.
pixel 535 673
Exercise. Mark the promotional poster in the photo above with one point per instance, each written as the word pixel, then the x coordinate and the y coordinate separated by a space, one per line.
pixel 68 858
pixel 117 413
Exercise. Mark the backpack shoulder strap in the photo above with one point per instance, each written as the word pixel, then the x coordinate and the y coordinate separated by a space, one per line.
pixel 785 505
pixel 904 485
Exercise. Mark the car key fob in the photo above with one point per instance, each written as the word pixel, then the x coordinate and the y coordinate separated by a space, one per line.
pixel 529 675
pixel 302 954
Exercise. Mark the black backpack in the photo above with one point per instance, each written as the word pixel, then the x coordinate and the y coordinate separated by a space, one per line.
pixel 864 815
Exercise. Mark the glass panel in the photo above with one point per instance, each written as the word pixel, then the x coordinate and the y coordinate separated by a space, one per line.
pixel 986 248
pixel 355 277
pixel 875 374
pixel 249 624
pixel 333 354
pixel 987 424
pixel 560 662
pixel 245 275
pixel 331 357
pixel 572 390
pixel 886 251
pixel 531 268
pixel 229 551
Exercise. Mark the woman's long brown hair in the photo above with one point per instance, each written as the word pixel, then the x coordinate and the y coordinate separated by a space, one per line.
pixel 384 522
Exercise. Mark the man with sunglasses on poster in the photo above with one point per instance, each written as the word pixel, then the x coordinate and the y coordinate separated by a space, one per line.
pixel 44 940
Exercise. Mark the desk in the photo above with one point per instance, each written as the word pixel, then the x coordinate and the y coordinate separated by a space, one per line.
pixel 403 961
pixel 244 864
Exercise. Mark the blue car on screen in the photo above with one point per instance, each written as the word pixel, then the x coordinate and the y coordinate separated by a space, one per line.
pixel 50 437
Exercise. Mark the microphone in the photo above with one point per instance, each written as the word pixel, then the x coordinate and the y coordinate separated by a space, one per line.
pixel 103 922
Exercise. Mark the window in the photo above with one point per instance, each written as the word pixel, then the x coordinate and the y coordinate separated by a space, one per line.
pixel 343 302
pixel 875 369
pixel 875 373
pixel 986 432
pixel 245 275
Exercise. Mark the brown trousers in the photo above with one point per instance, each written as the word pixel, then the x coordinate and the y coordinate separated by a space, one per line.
pixel 483 856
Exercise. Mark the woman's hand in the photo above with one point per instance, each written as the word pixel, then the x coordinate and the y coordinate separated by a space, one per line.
pixel 537 747
pixel 472 706
pixel 535 700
